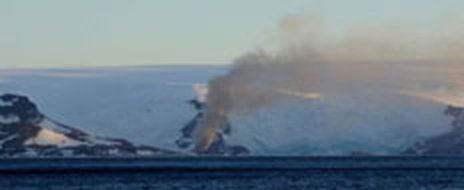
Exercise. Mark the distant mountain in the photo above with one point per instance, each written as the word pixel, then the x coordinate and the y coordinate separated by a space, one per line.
pixel 26 132
pixel 451 143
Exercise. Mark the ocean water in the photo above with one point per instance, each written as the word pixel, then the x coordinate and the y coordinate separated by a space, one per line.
pixel 235 173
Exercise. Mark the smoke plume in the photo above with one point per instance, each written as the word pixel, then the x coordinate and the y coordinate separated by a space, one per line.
pixel 312 61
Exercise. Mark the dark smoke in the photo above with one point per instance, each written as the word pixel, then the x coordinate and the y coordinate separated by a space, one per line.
pixel 414 62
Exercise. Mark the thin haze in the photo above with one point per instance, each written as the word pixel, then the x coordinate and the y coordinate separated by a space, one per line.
pixel 54 33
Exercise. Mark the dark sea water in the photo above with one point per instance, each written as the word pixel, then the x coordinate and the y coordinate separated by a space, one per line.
pixel 235 173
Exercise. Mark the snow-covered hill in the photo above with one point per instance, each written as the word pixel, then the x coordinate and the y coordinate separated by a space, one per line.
pixel 146 105
pixel 25 131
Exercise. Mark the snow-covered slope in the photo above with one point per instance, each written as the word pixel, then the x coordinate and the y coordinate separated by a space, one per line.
pixel 375 124
pixel 146 105
pixel 25 131
pixel 150 105
pixel 450 143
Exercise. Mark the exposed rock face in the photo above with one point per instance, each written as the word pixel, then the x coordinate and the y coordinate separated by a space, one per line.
pixel 219 145
pixel 451 143
pixel 25 131
pixel 458 114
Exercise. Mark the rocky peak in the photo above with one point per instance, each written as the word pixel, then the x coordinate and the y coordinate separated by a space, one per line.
pixel 18 109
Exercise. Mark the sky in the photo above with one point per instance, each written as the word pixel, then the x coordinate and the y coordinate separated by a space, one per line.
pixel 57 33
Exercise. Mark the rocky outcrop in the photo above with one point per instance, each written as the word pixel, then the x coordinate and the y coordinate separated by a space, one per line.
pixel 219 145
pixel 451 143
pixel 25 131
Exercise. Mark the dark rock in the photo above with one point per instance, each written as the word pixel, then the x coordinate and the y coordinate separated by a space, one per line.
pixel 219 146
pixel 19 106
pixel 451 143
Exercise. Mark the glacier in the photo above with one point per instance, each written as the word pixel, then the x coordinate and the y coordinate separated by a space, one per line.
pixel 147 105
pixel 150 105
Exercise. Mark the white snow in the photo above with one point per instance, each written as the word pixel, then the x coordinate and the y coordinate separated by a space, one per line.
pixel 5 103
pixel 6 139
pixel 91 140
pixel 201 92
pixel 98 140
pixel 144 152
pixel 113 151
pixel 48 124
pixel 31 153
pixel 49 137
pixel 9 119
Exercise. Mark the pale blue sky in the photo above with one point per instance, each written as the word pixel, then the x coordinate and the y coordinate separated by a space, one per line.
pixel 58 33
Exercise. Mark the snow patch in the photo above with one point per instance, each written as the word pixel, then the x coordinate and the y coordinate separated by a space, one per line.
pixel 144 152
pixel 303 95
pixel 31 153
pixel 49 137
pixel 4 103
pixel 201 92
pixel 100 141
pixel 9 119
pixel 6 139
pixel 47 123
